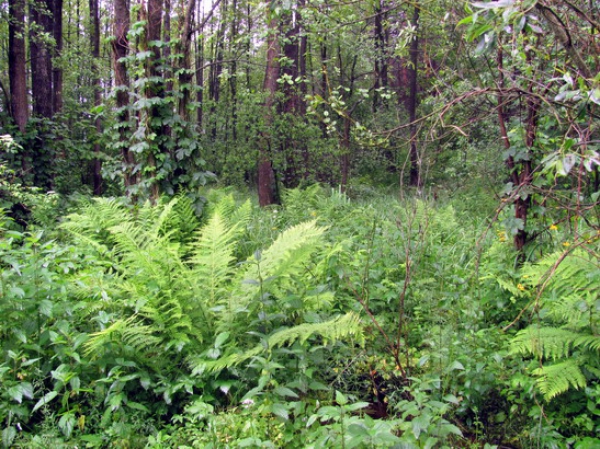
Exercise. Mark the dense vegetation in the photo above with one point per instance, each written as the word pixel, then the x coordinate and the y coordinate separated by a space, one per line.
pixel 299 224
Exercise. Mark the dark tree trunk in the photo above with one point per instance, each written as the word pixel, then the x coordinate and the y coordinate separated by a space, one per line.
pixel 166 50
pixel 120 47
pixel 303 86
pixel 41 61
pixel 233 71
pixel 185 72
pixel 415 169
pixel 200 79
pixel 267 185
pixel 154 88
pixel 381 68
pixel 95 47
pixel 291 104
pixel 16 63
pixel 57 72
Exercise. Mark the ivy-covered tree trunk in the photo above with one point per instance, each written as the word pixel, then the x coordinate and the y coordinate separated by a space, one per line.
pixel 120 50
pixel 185 67
pixel 267 185
pixel 154 91
pixel 95 48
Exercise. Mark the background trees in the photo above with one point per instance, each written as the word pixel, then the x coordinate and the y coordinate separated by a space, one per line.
pixel 298 92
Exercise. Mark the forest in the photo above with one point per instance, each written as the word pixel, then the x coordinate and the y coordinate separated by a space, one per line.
pixel 300 224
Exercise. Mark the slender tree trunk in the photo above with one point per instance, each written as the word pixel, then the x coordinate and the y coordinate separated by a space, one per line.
pixel 267 185
pixel 16 63
pixel 291 102
pixel 166 50
pixel 415 169
pixel 95 47
pixel 57 71
pixel 200 79
pixel 303 86
pixel 185 72
pixel 381 68
pixel 233 72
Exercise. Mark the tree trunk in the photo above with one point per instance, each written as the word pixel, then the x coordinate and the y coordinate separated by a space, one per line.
pixel 57 72
pixel 303 86
pixel 291 102
pixel 120 46
pixel 267 185
pixel 16 63
pixel 154 89
pixel 381 67
pixel 415 162
pixel 95 47
pixel 41 62
pixel 185 72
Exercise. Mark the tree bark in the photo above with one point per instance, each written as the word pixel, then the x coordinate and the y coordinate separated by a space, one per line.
pixel 267 186
pixel 41 62
pixel 185 72
pixel 57 71
pixel 16 63
pixel 415 169
pixel 95 48
pixel 120 49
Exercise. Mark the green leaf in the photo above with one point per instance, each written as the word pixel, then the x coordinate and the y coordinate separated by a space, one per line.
pixel 419 424
pixel 340 399
pixel 8 436
pixel 493 5
pixel 280 410
pixel 48 397
pixel 285 392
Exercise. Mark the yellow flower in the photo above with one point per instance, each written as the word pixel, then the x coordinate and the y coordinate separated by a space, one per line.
pixel 521 287
pixel 553 227
pixel 566 244
pixel 313 213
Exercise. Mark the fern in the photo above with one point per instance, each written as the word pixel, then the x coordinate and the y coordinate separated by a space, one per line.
pixel 546 342
pixel 566 340
pixel 559 378
pixel 331 331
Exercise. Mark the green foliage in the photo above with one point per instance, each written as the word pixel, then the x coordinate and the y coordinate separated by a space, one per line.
pixel 565 338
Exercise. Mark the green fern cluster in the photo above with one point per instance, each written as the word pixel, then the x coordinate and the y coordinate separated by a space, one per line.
pixel 566 338
pixel 165 292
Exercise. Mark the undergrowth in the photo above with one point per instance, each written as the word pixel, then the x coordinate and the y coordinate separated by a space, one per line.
pixel 326 322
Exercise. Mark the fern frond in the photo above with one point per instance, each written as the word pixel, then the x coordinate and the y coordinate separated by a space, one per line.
pixel 341 327
pixel 559 377
pixel 127 331
pixel 212 258
pixel 331 331
pixel 290 251
pixel 547 342
pixel 589 342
